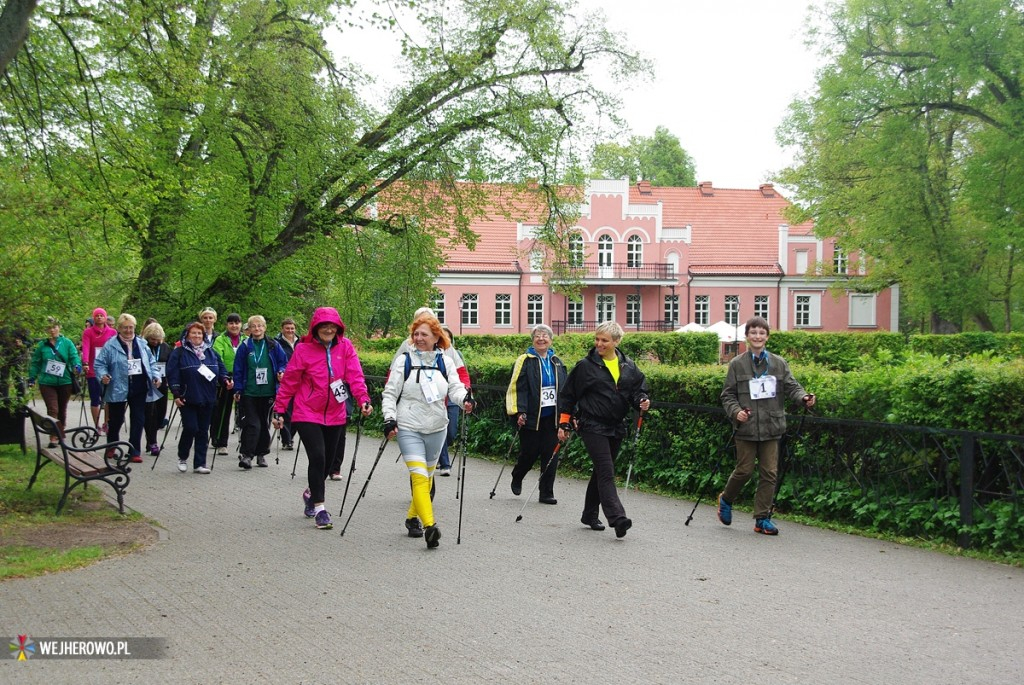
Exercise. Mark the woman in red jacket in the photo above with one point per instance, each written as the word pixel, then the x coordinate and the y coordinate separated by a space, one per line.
pixel 323 362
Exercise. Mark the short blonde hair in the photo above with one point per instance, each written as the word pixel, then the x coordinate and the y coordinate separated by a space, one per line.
pixel 256 318
pixel 126 318
pixel 153 331
pixel 207 310
pixel 611 329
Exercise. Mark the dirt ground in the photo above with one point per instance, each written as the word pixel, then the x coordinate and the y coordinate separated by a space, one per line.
pixel 124 535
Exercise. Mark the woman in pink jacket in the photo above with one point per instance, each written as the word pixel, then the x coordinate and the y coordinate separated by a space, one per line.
pixel 323 363
pixel 94 337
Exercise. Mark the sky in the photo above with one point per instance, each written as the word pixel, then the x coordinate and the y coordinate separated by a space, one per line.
pixel 725 74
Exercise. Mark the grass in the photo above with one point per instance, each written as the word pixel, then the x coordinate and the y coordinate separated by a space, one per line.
pixel 30 515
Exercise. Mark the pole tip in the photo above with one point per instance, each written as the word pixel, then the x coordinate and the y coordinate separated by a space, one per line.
pixel 519 518
pixel 688 521
pixel 492 495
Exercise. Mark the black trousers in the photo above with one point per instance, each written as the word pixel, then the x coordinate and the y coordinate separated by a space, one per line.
pixel 220 424
pixel 320 443
pixel 255 420
pixel 534 444
pixel 601 490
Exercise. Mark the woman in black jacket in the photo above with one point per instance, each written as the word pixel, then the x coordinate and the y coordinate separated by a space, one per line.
pixel 532 397
pixel 598 395
pixel 156 411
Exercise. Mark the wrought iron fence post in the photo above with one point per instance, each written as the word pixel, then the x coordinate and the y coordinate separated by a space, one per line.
pixel 966 490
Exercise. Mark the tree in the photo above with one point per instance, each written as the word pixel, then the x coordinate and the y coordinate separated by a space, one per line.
pixel 227 161
pixel 659 159
pixel 905 150
pixel 14 28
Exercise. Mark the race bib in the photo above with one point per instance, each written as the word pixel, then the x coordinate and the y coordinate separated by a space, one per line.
pixel 55 368
pixel 134 367
pixel 762 388
pixel 548 396
pixel 339 391
pixel 261 377
pixel 206 372
pixel 160 368
pixel 431 393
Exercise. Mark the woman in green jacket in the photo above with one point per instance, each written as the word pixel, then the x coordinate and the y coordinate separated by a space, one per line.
pixel 53 360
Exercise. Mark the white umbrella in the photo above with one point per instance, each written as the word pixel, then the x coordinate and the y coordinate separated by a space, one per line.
pixel 727 332
pixel 692 328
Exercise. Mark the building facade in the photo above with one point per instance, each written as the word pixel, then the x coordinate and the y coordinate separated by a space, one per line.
pixel 655 259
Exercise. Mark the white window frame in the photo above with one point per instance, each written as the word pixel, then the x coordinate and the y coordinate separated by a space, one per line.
pixel 731 310
pixel 577 253
pixel 672 310
pixel 534 309
pixel 870 311
pixel 840 260
pixel 807 310
pixel 702 310
pixel 604 308
pixel 633 310
pixel 502 309
pixel 634 252
pixel 575 313
pixel 470 310
pixel 437 304
pixel 802 257
pixel 762 307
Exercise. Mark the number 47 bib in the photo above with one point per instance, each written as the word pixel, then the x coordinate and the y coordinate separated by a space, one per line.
pixel 762 388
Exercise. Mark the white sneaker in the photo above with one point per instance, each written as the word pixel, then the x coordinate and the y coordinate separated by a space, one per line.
pixel 222 450
pixel 202 469
pixel 183 466
pixel 444 472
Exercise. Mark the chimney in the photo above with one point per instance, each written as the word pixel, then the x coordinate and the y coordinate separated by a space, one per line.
pixel 644 187
pixel 705 188
pixel 767 189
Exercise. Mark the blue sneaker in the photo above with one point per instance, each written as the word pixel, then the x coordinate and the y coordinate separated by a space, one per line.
pixel 323 520
pixel 765 526
pixel 309 511
pixel 724 511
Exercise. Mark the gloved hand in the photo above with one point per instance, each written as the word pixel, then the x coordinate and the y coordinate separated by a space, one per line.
pixel 31 382
pixel 390 425
pixel 78 369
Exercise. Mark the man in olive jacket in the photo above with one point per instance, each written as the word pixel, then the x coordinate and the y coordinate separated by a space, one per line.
pixel 754 398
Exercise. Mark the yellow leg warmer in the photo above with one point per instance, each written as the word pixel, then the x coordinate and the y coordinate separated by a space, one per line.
pixel 421 505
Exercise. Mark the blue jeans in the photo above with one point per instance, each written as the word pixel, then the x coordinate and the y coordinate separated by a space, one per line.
pixel 453 430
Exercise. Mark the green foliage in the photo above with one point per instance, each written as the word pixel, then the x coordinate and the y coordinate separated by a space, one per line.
pixel 659 159
pixel 910 149
pixel 842 351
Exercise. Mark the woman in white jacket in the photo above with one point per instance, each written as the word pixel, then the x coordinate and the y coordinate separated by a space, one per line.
pixel 413 405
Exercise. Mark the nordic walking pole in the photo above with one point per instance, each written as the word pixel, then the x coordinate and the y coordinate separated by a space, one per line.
pixel 362 493
pixel 277 453
pixel 298 446
pixel 707 481
pixel 461 454
pixel 551 461
pixel 352 466
pixel 787 455
pixel 167 429
pixel 504 463
pixel 636 448
pixel 462 478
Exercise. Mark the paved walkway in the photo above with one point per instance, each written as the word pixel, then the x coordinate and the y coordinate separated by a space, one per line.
pixel 246 590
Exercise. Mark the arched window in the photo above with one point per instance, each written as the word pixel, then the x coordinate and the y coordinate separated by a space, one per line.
pixel 576 250
pixel 634 252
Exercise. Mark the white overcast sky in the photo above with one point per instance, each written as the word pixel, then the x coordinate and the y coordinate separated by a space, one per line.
pixel 725 73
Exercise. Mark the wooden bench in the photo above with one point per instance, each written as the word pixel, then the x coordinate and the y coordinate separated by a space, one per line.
pixel 83 457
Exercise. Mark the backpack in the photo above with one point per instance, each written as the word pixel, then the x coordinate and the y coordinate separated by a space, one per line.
pixel 409 367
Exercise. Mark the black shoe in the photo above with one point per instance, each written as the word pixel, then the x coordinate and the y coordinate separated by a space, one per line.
pixel 548 500
pixel 432 535
pixel 622 526
pixel 517 487
pixel 261 461
pixel 245 462
pixel 414 527
pixel 594 525
pixel 287 446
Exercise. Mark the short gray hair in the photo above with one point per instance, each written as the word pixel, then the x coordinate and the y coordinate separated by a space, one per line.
pixel 542 328
pixel 611 329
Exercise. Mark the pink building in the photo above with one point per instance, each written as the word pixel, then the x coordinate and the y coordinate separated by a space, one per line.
pixel 658 258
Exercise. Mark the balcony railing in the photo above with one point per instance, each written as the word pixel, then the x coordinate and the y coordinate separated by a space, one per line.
pixel 619 271
pixel 582 326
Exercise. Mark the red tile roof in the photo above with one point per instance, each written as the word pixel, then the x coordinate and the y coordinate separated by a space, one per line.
pixel 736 269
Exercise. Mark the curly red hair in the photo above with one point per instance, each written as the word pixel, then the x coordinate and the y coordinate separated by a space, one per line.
pixel 435 328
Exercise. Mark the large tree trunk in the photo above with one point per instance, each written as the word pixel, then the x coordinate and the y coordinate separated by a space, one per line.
pixel 14 29
pixel 942 326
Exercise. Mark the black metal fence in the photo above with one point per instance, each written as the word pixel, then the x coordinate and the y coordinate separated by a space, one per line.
pixel 960 486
